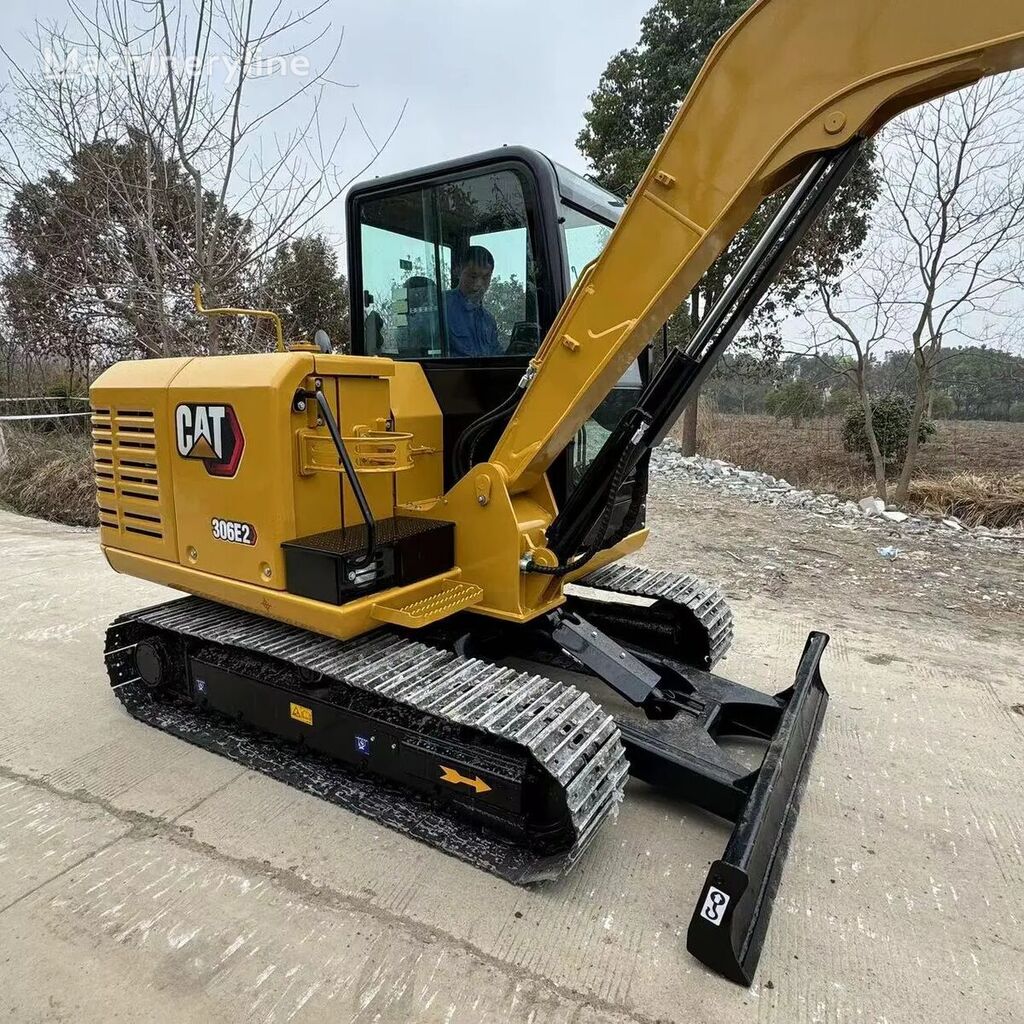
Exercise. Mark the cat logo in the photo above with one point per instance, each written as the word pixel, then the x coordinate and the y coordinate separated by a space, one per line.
pixel 210 433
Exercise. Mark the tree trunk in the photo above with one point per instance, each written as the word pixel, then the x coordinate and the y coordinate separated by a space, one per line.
pixel 690 426
pixel 214 336
pixel 878 463
pixel 213 323
pixel 914 431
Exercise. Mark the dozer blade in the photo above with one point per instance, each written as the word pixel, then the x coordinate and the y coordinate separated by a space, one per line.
pixel 677 750
pixel 728 926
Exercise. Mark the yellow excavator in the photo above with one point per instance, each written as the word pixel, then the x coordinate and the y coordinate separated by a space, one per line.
pixel 392 554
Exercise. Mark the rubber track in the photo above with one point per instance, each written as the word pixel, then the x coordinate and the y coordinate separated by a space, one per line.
pixel 695 605
pixel 570 737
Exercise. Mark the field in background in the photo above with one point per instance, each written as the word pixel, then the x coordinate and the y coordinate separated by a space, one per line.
pixel 971 469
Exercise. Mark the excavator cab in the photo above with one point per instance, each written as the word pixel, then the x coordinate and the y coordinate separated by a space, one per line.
pixel 408 237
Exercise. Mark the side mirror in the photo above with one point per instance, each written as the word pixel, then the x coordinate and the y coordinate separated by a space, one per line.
pixel 367 299
pixel 323 342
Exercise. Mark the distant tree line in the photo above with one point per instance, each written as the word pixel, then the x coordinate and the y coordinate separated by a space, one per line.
pixel 970 383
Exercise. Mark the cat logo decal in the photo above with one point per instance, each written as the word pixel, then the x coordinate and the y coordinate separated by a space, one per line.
pixel 212 434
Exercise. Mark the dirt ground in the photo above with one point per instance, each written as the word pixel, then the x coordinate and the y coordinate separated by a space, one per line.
pixel 811 455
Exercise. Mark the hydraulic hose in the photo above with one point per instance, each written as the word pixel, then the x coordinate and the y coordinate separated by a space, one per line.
pixel 469 440
pixel 370 555
pixel 600 535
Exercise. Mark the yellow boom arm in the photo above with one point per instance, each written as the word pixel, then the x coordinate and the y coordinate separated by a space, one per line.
pixel 792 79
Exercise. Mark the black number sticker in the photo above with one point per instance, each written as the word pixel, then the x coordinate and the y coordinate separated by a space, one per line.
pixel 714 906
pixel 234 533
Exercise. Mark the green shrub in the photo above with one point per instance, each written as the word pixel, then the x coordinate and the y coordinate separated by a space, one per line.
pixel 840 402
pixel 796 399
pixel 891 418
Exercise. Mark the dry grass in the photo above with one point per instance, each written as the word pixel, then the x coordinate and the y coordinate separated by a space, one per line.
pixel 974 470
pixel 48 474
pixel 977 500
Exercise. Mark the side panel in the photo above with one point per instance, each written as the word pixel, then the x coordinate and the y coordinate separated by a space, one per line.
pixel 133 445
pixel 263 489
pixel 416 412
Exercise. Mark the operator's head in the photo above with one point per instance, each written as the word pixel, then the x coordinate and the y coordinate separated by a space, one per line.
pixel 475 273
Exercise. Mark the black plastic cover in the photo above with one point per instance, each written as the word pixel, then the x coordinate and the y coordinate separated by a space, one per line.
pixel 323 567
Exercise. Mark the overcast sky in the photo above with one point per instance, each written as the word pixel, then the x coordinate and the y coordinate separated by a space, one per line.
pixel 476 73
pixel 470 75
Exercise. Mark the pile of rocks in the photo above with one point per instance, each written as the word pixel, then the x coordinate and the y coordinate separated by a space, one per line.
pixel 669 463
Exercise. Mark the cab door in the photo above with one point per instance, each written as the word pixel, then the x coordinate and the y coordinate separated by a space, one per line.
pixel 409 241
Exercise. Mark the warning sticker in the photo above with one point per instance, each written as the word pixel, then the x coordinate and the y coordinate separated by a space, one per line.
pixel 714 906
pixel 302 714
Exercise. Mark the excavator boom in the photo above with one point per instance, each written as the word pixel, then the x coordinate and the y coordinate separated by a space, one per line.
pixel 792 79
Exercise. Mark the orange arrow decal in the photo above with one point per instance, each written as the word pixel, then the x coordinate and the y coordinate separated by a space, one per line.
pixel 458 779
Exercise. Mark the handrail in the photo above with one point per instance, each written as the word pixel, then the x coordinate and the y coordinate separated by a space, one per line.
pixel 301 397
pixel 260 314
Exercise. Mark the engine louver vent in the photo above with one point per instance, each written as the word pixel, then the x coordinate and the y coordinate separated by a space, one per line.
pixel 127 477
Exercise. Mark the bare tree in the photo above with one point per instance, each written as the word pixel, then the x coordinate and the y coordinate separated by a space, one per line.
pixel 855 317
pixel 172 113
pixel 946 256
pixel 954 178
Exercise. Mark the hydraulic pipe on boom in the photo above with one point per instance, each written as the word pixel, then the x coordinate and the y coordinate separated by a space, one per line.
pixel 685 369
pixel 745 129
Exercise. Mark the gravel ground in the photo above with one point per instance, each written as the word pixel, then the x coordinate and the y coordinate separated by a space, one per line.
pixel 798 555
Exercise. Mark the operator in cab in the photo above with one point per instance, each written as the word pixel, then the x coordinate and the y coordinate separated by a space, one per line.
pixel 472 330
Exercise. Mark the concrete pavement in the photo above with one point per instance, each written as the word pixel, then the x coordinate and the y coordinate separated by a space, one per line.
pixel 145 880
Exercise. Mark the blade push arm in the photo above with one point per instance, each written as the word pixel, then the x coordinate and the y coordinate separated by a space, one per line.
pixel 792 79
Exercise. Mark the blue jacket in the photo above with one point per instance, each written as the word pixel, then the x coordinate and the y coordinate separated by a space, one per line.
pixel 472 330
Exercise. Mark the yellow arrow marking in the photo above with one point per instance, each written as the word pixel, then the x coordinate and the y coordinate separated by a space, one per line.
pixel 458 779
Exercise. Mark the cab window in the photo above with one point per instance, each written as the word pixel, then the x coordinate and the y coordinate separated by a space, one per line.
pixel 451 270
pixel 585 238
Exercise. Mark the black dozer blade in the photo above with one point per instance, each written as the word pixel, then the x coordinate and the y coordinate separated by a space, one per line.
pixel 729 922
pixel 676 748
